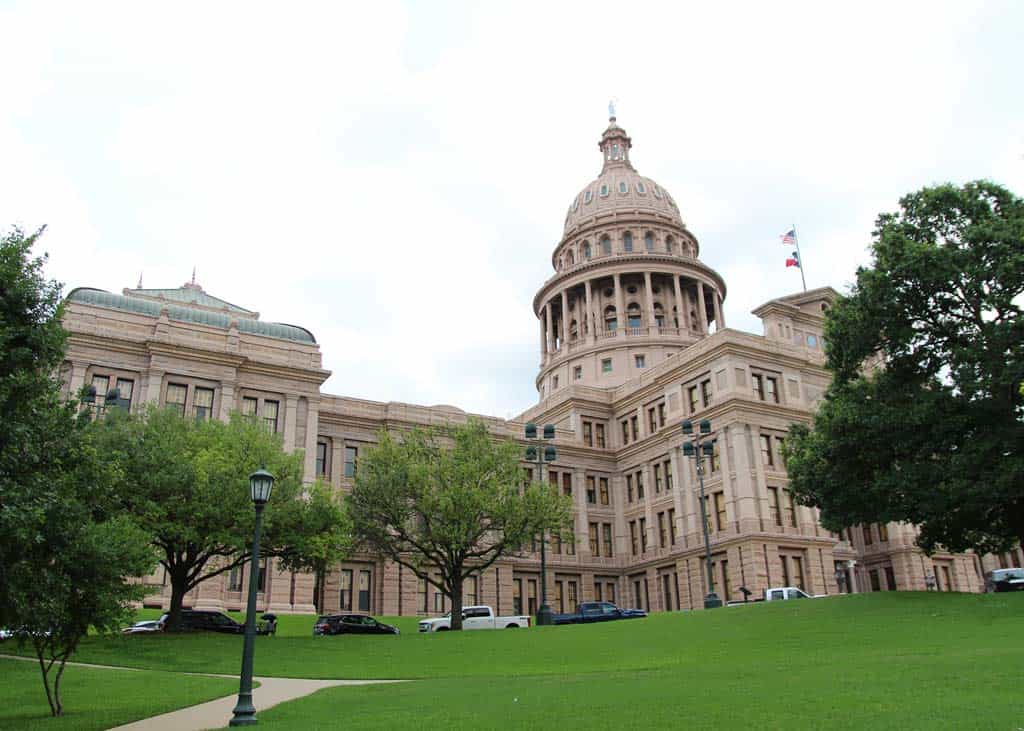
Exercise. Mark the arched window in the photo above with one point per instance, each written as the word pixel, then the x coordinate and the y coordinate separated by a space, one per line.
pixel 649 241
pixel 604 190
pixel 623 187
pixel 572 258
pixel 588 196
pixel 606 245
pixel 627 241
pixel 573 330
pixel 586 250
pixel 633 315
pixel 675 315
pixel 659 315
pixel 615 152
pixel 611 322
pixel 670 244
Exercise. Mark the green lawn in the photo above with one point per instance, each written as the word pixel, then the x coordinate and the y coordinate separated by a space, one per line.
pixel 900 659
pixel 96 698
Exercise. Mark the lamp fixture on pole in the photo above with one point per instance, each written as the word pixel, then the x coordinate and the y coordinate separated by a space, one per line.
pixel 539 453
pixel 697 446
pixel 261 484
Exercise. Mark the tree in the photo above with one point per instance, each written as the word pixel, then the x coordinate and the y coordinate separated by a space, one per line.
pixel 186 484
pixel 924 419
pixel 65 550
pixel 453 508
pixel 325 537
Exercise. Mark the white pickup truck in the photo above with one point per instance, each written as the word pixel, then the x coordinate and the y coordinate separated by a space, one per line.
pixel 481 617
pixel 776 594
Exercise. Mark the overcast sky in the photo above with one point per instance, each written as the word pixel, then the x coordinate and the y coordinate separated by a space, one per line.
pixel 394 176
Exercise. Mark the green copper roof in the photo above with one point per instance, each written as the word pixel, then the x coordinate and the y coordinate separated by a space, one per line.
pixel 100 298
pixel 192 295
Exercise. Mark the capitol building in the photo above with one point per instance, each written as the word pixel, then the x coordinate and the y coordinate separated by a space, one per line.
pixel 632 340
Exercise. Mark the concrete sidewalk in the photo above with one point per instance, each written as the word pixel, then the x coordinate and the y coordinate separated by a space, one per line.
pixel 217 713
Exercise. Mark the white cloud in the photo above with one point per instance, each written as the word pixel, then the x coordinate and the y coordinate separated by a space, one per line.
pixel 394 176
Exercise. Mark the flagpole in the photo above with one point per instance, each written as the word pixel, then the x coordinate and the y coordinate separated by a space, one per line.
pixel 800 257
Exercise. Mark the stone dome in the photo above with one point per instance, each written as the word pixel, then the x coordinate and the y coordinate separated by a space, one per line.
pixel 619 188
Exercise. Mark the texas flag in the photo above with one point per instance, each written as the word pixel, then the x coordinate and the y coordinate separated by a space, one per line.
pixel 793 260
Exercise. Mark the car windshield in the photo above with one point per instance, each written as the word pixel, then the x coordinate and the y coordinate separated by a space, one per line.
pixel 1007 574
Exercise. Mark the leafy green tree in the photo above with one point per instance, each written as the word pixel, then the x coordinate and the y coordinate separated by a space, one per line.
pixel 65 550
pixel 186 484
pixel 924 419
pixel 322 537
pixel 450 502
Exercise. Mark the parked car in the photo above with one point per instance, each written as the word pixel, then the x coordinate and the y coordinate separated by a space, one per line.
pixel 776 594
pixel 598 612
pixel 1004 580
pixel 6 634
pixel 206 620
pixel 351 624
pixel 479 617
pixel 144 627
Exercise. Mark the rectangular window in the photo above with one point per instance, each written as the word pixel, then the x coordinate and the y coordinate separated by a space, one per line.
pixel 662 530
pixel 790 509
pixel 640 361
pixel 705 392
pixel 726 594
pixel 599 430
pixel 758 385
pixel 692 396
pixel 125 390
pixel 668 475
pixel 261 577
pixel 606 365
pixel 102 384
pixel 321 459
pixel 567 483
pixel 570 542
pixel 716 457
pixel 602 488
pixel 652 420
pixel 672 525
pixel 767 458
pixel 588 434
pixel 517 596
pixel 597 591
pixel 553 478
pixel 352 457
pixel 577 373
pixel 346 589
pixel 773 506
pixel 531 596
pixel 364 591
pixel 554 382
pixel 661 415
pixel 883 532
pixel 470 591
pixel 625 432
pixel 202 403
pixel 657 478
pixel 270 409
pixel 629 488
pixel 556 545
pixel 249 407
pixel 867 535
pixel 720 519
pixel 527 476
pixel 890 578
pixel 595 546
pixel 591 493
pixel 632 536
pixel 643 535
pixel 633 428
pixel 873 576
pixel 571 586
pixel 560 596
pixel 639 485
pixel 177 393
pixel 771 389
pixel 606 529
pixel 235 579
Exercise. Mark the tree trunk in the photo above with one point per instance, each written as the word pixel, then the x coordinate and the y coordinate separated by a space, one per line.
pixel 54 709
pixel 56 686
pixel 317 600
pixel 179 587
pixel 456 597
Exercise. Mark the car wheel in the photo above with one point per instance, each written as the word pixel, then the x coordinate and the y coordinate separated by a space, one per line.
pixel 512 626
pixel 442 629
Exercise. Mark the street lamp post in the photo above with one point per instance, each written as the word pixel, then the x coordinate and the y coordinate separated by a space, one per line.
pixel 697 445
pixel 540 454
pixel 261 483
pixel 111 399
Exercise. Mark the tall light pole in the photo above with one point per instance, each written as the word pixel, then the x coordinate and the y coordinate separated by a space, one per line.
pixel 697 446
pixel 539 454
pixel 261 484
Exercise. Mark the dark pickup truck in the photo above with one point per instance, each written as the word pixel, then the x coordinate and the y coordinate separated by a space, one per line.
pixel 598 612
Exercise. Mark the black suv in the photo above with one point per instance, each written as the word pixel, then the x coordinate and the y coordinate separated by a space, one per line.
pixel 210 621
pixel 351 624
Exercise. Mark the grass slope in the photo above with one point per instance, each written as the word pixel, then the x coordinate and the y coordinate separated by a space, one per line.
pixel 96 698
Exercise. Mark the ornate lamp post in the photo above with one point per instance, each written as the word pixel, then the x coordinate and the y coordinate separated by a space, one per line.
pixel 111 399
pixel 697 446
pixel 261 484
pixel 539 454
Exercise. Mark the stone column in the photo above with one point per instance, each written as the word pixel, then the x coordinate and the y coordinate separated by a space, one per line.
pixel 761 491
pixel 743 493
pixel 719 313
pixel 565 318
pixel 681 310
pixel 312 422
pixel 591 323
pixel 290 417
pixel 154 379
pixel 547 329
pixel 649 496
pixel 77 379
pixel 543 339
pixel 702 309
pixel 337 465
pixel 649 301
pixel 620 302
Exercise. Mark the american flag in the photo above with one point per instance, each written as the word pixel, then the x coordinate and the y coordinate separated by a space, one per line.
pixel 789 237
